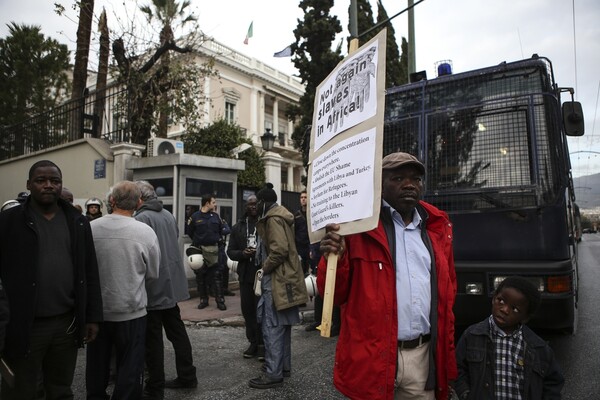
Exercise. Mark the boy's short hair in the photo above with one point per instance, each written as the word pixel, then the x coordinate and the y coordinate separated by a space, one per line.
pixel 526 287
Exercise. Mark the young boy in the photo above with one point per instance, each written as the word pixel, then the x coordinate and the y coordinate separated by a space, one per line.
pixel 501 358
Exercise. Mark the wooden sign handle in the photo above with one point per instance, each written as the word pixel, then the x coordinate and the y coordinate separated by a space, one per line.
pixel 328 295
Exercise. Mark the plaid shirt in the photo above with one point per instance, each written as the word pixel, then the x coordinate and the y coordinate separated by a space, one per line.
pixel 509 351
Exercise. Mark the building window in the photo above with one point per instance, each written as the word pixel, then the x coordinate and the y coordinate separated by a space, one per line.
pixel 200 187
pixel 232 97
pixel 281 138
pixel 162 186
pixel 229 112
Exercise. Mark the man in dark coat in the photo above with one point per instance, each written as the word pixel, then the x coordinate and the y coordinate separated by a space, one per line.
pixel 242 248
pixel 301 233
pixel 49 271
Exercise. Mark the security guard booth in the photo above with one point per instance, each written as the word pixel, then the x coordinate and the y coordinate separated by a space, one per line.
pixel 180 180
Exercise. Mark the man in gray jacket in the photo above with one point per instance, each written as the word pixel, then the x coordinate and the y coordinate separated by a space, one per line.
pixel 163 295
pixel 128 256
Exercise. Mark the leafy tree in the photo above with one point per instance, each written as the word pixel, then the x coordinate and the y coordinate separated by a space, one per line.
pixel 396 66
pixel 32 73
pixel 314 59
pixel 217 140
pixel 159 84
pixel 404 60
pixel 364 21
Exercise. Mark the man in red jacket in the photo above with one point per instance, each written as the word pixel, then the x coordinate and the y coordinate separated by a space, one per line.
pixel 396 286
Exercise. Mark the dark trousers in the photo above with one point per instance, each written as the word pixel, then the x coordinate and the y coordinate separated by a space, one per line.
pixel 128 339
pixel 170 320
pixel 249 301
pixel 305 262
pixel 207 279
pixel 53 351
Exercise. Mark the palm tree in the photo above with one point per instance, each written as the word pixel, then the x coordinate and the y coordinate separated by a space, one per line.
pixel 166 12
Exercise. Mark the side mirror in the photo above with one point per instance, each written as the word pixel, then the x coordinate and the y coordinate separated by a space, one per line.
pixel 572 114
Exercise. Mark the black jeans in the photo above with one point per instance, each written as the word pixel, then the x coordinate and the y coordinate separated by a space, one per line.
pixel 207 279
pixel 53 351
pixel 170 320
pixel 128 339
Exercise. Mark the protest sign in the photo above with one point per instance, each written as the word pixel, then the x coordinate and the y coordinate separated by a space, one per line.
pixel 344 175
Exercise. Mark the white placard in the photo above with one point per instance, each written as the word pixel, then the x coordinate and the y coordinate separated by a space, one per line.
pixel 342 188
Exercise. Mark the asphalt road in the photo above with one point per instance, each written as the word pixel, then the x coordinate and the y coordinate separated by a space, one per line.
pixel 223 373
pixel 579 354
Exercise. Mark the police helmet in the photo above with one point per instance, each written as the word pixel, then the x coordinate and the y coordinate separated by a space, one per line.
pixel 93 202
pixel 9 204
pixel 311 285
pixel 194 258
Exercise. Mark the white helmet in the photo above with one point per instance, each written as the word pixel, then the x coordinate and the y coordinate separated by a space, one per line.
pixel 93 202
pixel 194 258
pixel 9 204
pixel 311 285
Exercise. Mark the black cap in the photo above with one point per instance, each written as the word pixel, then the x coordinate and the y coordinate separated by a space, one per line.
pixel 267 194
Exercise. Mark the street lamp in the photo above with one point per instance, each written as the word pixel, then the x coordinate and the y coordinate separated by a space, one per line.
pixel 267 140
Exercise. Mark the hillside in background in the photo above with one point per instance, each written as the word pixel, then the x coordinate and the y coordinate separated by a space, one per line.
pixel 587 191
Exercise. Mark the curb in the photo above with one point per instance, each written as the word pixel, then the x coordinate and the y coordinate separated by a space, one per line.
pixel 307 316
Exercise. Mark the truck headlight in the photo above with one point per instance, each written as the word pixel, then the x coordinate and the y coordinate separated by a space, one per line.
pixel 474 288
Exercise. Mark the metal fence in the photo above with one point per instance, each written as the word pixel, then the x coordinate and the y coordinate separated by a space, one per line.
pixel 99 114
pixel 489 139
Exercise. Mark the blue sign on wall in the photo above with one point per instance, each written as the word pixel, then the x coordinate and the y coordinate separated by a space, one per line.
pixel 100 169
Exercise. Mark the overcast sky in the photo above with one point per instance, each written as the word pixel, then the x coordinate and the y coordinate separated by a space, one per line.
pixel 470 33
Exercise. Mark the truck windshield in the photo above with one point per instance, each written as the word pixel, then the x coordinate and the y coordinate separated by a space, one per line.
pixel 490 140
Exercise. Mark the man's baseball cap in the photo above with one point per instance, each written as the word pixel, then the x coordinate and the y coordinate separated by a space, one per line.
pixel 396 160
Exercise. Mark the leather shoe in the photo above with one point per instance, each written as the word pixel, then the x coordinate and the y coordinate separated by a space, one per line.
pixel 203 304
pixel 147 395
pixel 179 384
pixel 264 382
pixel 312 327
pixel 221 306
pixel 251 351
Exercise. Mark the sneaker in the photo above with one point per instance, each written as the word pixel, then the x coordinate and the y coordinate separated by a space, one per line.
pixel 260 352
pixel 251 351
pixel 221 306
